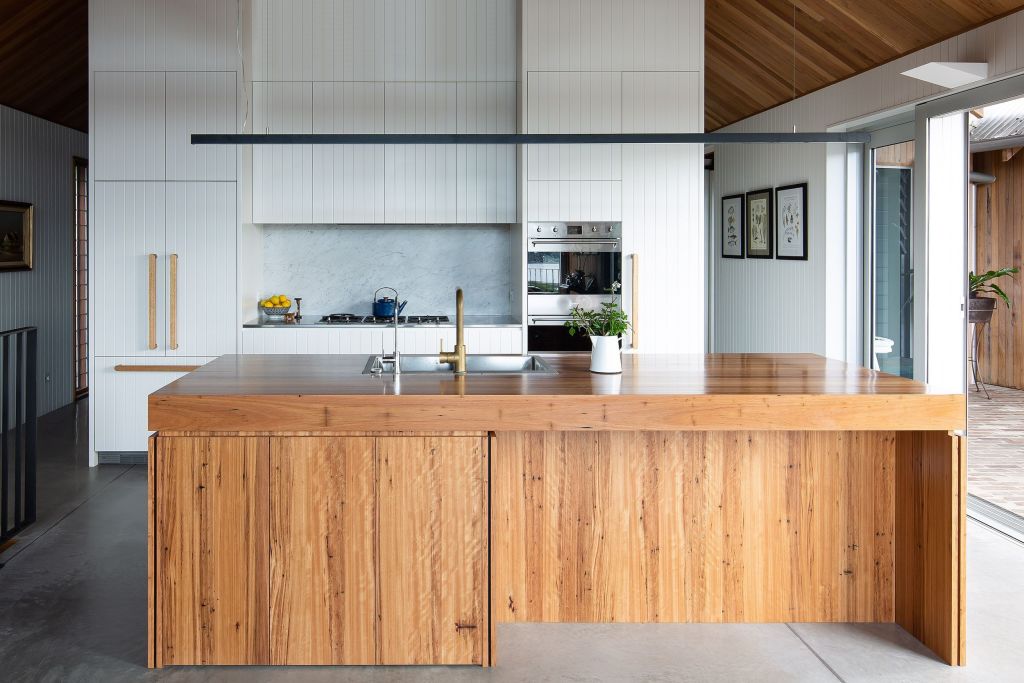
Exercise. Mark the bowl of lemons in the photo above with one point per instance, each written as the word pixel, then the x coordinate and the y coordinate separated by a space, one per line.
pixel 276 306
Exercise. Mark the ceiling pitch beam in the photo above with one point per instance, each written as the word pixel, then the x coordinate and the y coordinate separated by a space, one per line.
pixel 522 138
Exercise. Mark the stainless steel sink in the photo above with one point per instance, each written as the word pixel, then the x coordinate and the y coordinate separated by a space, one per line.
pixel 475 365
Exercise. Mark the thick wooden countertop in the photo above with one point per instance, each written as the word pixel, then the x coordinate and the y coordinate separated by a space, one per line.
pixel 788 392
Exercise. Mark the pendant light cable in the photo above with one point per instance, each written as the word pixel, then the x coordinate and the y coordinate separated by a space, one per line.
pixel 793 82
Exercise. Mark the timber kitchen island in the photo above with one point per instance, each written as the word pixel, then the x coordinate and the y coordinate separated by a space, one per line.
pixel 302 511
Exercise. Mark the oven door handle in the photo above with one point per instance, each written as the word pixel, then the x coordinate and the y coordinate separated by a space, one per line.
pixel 549 319
pixel 569 240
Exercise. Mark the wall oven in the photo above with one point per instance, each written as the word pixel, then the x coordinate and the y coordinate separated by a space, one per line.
pixel 568 264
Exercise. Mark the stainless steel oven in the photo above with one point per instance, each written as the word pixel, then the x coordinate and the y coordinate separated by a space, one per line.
pixel 568 264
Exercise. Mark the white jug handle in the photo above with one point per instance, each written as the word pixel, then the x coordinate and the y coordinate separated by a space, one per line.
pixel 620 342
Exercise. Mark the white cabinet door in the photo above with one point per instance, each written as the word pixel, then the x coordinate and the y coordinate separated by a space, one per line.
pixel 128 226
pixel 348 180
pixel 202 235
pixel 420 180
pixel 282 183
pixel 120 401
pixel 129 121
pixel 486 173
pixel 200 102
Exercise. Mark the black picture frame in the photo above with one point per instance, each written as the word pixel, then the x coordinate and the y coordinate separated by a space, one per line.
pixel 760 218
pixel 738 215
pixel 789 252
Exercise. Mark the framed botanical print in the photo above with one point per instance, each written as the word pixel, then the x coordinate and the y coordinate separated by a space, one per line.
pixel 732 226
pixel 791 222
pixel 15 236
pixel 758 235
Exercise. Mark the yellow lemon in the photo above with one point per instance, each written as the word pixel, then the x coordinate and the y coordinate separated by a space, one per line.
pixel 275 299
pixel 286 303
pixel 267 304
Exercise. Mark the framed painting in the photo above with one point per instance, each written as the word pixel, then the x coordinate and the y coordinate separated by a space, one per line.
pixel 15 236
pixel 791 222
pixel 758 234
pixel 732 226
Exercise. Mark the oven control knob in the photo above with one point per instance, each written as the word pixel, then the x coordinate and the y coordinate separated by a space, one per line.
pixel 609 228
pixel 593 229
pixel 554 229
pixel 538 229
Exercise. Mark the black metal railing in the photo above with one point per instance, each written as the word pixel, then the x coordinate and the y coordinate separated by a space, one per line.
pixel 17 430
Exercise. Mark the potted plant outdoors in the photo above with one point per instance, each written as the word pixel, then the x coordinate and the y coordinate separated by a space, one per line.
pixel 605 328
pixel 980 308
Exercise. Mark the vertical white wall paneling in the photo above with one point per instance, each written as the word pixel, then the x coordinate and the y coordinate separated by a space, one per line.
pixel 348 180
pixel 486 173
pixel 202 230
pixel 128 225
pixel 157 35
pixel 36 168
pixel 348 40
pixel 420 180
pixel 282 174
pixel 200 102
pixel 129 126
pixel 282 40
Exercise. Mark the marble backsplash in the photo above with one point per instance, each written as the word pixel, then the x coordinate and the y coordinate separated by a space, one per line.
pixel 335 269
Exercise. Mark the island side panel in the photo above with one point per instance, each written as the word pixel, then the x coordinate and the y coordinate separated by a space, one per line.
pixel 322 531
pixel 212 531
pixel 930 531
pixel 693 526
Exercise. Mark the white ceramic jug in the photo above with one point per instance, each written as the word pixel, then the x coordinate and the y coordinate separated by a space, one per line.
pixel 606 356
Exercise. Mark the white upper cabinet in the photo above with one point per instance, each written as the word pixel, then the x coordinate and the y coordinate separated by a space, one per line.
pixel 163 35
pixel 127 294
pixel 420 179
pixel 202 237
pixel 282 40
pixel 348 180
pixel 486 184
pixel 282 187
pixel 129 126
pixel 348 40
pixel 613 35
pixel 200 102
pixel 661 102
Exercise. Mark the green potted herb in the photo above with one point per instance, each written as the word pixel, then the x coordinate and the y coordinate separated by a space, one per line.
pixel 605 328
pixel 980 308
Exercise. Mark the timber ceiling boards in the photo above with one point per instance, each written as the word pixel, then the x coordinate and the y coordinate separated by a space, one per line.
pixel 44 59
pixel 749 44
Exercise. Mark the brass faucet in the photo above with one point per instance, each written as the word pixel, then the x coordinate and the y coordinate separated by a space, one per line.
pixel 457 357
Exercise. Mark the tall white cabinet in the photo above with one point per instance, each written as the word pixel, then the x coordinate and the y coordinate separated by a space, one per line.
pixel 164 225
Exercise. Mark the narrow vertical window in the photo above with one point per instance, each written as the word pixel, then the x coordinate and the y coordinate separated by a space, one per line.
pixel 81 277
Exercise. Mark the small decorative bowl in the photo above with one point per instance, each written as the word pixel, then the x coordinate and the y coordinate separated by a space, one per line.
pixel 275 311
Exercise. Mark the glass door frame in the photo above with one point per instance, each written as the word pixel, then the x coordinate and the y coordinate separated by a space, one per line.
pixel 892 134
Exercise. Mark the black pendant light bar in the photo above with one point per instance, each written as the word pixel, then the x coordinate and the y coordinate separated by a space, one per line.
pixel 523 138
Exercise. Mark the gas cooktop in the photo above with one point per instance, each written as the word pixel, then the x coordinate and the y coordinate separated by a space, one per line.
pixel 353 319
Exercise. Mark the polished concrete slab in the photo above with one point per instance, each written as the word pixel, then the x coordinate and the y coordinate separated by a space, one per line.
pixel 73 608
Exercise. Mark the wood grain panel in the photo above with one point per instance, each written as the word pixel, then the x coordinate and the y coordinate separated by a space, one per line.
pixel 684 527
pixel 213 550
pixel 432 551
pixel 322 535
pixel 154 656
pixel 930 534
pixel 999 244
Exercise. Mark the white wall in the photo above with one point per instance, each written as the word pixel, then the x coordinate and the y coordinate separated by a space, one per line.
pixel 36 168
pixel 792 306
pixel 613 66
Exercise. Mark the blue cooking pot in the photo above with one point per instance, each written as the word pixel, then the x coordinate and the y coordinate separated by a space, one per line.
pixel 384 307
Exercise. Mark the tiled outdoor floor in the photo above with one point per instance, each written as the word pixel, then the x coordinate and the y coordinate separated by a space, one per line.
pixel 995 455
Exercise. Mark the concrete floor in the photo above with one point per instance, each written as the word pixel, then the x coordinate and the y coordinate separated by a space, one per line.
pixel 73 608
